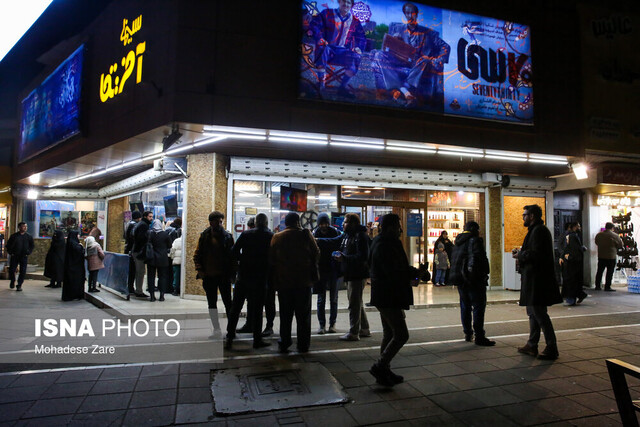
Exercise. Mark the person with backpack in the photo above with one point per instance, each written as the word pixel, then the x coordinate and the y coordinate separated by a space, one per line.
pixel 470 273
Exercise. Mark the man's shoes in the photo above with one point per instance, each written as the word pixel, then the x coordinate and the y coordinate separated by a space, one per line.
pixel 349 337
pixel 609 290
pixel 368 304
pixel 175 294
pixel 141 295
pixel 527 349
pixel 468 337
pixel 282 349
pixel 159 299
pixel 582 297
pixel 549 353
pixel 332 329
pixel 381 374
pixel 346 93
pixel 485 342
pixel 267 332
pixel 228 343
pixel 50 285
pixel 246 329
pixel 397 379
pixel 569 302
pixel 598 288
pixel 364 333
pixel 303 350
pixel 19 288
pixel 12 285
pixel 321 331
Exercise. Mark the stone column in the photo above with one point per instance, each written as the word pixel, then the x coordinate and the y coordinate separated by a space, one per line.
pixel 115 224
pixel 495 236
pixel 206 191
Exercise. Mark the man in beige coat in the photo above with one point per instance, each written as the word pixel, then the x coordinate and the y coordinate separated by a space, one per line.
pixel 293 259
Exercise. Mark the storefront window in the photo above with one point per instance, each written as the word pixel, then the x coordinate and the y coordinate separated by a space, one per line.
pixel 449 211
pixel 277 199
pixel 44 217
pixel 166 201
pixel 354 192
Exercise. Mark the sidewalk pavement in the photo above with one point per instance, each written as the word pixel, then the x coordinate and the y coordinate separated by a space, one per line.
pixel 447 381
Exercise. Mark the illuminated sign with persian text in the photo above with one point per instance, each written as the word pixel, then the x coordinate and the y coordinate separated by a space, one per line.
pixel 113 83
pixel 618 201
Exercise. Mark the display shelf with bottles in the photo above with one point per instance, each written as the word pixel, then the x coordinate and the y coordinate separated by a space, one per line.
pixel 451 221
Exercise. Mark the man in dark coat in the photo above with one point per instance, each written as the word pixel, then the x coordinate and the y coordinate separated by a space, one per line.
pixel 54 262
pixel 214 263
pixel 136 216
pixel 391 293
pixel 539 288
pixel 74 270
pixel 160 264
pixel 140 239
pixel 470 273
pixel 571 260
pixel 19 247
pixel 328 280
pixel 252 252
pixel 351 252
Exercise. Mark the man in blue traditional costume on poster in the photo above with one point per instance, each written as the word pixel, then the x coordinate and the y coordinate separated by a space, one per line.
pixel 411 68
pixel 340 41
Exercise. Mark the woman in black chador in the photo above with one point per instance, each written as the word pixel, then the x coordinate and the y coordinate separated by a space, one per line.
pixel 54 263
pixel 74 272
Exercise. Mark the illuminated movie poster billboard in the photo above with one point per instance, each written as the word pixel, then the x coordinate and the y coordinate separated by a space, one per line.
pixel 51 112
pixel 412 56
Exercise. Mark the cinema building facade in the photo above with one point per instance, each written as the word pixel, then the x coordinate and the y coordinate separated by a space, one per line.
pixel 237 107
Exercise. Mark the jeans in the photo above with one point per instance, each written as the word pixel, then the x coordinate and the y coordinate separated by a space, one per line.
pixel 440 276
pixel 211 286
pixel 254 292
pixel 473 301
pixel 394 333
pixel 610 265
pixel 176 278
pixel 13 264
pixel 295 302
pixel 539 320
pixel 332 285
pixel 357 316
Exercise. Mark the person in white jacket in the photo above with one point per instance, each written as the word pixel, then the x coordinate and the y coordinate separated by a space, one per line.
pixel 176 255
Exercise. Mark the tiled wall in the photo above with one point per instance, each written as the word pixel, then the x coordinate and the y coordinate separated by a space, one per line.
pixel 495 235
pixel 115 224
pixel 514 229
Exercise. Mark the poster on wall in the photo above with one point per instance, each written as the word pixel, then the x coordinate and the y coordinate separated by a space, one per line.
pixel 51 112
pixel 69 221
pixel 49 222
pixel 87 220
pixel 411 56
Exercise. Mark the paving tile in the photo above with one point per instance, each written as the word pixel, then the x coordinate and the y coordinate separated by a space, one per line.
pixel 198 368
pixel 121 372
pixel 144 399
pixel 350 379
pixel 399 391
pixel 161 369
pixel 6 380
pixel 14 410
pixel 105 402
pixel 446 369
pixel 336 367
pixel 457 401
pixel 477 366
pixel 195 395
pixel 527 413
pixel 590 367
pixel 364 394
pixel 433 386
pixel 328 416
pixel 19 394
pixel 500 377
pixel 114 386
pixel 444 420
pixel 98 419
pixel 494 396
pixel 158 416
pixel 68 390
pixel 359 365
pixel 426 359
pixel 591 382
pixel 254 420
pixel 371 413
pixel 194 413
pixel 48 407
pixel 596 402
pixel 484 417
pixel 27 380
pixel 58 420
pixel 467 382
pixel 562 386
pixel 157 382
pixel 79 376
pixel 597 421
pixel 413 373
pixel 194 380
pixel 565 408
pixel 529 391
pixel 417 407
